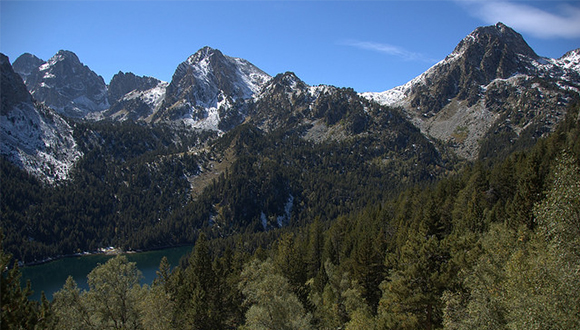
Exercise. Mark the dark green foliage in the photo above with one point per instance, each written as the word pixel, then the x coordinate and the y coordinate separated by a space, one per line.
pixel 17 312
pixel 494 246
pixel 198 298
pixel 464 252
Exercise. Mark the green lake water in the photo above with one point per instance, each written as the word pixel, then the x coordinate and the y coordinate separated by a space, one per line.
pixel 51 276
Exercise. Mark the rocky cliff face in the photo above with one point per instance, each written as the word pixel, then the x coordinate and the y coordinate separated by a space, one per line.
pixel 64 84
pixel 32 135
pixel 492 81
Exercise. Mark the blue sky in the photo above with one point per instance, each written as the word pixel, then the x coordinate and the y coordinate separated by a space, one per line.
pixel 369 46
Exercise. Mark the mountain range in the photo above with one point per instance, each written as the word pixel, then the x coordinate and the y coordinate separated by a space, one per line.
pixel 226 145
pixel 492 86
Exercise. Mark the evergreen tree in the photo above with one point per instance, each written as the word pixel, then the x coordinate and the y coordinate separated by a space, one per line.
pixel 198 298
pixel 542 282
pixel 157 307
pixel 17 311
pixel 412 291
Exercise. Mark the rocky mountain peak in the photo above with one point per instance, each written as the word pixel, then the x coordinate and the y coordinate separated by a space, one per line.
pixel 32 135
pixel 497 37
pixel 488 53
pixel 26 64
pixel 206 53
pixel 65 55
pixel 286 82
pixel 64 61
pixel 493 84
pixel 208 73
pixel 65 84
pixel 207 81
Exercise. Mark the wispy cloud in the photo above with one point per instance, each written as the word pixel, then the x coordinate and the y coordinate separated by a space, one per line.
pixel 561 22
pixel 387 49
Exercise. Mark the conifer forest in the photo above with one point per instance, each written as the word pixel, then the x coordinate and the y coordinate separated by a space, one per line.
pixel 494 244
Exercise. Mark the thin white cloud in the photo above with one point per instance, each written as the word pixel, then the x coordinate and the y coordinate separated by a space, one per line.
pixel 562 22
pixel 387 49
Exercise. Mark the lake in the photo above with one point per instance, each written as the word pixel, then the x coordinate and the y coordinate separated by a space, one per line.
pixel 51 276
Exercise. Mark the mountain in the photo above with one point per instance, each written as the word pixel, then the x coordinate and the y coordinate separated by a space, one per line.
pixel 134 97
pixel 205 92
pixel 224 148
pixel 64 84
pixel 492 94
pixel 32 135
pixel 26 64
pixel 123 83
pixel 205 87
pixel 321 112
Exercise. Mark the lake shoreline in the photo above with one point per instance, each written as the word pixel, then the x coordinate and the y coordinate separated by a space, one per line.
pixel 111 251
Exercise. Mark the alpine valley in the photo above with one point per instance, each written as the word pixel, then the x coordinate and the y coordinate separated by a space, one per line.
pixel 451 202
pixel 226 149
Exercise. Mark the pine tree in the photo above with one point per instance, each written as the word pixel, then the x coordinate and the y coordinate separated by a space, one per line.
pixel 157 307
pixel 198 298
pixel 17 311
pixel 412 291
pixel 542 282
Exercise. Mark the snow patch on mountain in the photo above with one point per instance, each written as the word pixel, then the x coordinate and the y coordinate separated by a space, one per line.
pixel 251 77
pixel 152 97
pixel 279 220
pixel 32 135
pixel 396 96
pixel 40 141
pixel 570 60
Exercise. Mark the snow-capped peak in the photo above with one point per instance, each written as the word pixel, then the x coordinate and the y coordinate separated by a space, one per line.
pixel 210 66
pixel 206 82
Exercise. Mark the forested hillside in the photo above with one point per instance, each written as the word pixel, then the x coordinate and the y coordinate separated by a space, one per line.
pixel 494 246
pixel 149 186
pixel 226 149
